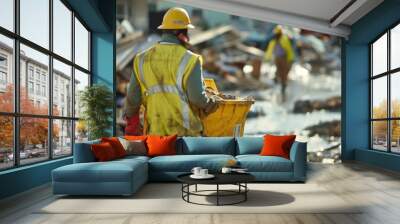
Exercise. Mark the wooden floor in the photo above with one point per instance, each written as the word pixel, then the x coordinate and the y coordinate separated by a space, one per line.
pixel 378 189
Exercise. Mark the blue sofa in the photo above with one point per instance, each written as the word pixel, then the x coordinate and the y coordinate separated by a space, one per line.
pixel 125 176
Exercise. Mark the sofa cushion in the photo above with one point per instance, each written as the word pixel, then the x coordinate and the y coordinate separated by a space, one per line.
pixel 185 163
pixel 112 171
pixel 206 145
pixel 103 152
pixel 161 145
pixel 277 145
pixel 249 145
pixel 134 147
pixel 116 145
pixel 257 163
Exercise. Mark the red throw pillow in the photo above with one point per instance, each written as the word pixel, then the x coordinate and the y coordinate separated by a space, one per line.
pixel 161 145
pixel 103 152
pixel 116 145
pixel 277 145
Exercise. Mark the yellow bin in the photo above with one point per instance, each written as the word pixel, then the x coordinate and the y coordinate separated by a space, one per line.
pixel 228 119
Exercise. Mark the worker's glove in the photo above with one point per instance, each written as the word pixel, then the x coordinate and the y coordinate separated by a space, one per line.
pixel 213 98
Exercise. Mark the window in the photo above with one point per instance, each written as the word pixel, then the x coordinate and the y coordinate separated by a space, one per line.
pixel 6 142
pixel 81 45
pixel 62 74
pixel 62 29
pixel 3 72
pixel 30 88
pixel 7 14
pixel 35 21
pixel 81 81
pixel 37 75
pixel 44 91
pixel 62 137
pixel 46 74
pixel 6 71
pixel 3 61
pixel 38 89
pixel 385 94
pixel 3 77
pixel 30 72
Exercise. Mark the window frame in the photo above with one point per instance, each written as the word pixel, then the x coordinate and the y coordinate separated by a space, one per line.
pixel 16 114
pixel 388 74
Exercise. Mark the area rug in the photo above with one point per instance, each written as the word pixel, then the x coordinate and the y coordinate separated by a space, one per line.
pixel 166 198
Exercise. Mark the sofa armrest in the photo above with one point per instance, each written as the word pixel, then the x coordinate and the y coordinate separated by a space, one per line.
pixel 83 152
pixel 298 155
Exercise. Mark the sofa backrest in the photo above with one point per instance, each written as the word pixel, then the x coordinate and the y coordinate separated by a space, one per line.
pixel 249 145
pixel 206 145
pixel 83 153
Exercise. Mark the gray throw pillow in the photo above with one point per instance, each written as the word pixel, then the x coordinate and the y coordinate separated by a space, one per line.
pixel 134 147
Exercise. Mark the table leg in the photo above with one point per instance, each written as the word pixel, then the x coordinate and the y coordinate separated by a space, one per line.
pixel 217 194
pixel 188 190
pixel 195 188
pixel 245 193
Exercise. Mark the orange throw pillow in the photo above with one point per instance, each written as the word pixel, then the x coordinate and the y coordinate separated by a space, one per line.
pixel 116 145
pixel 103 152
pixel 161 145
pixel 277 145
pixel 135 138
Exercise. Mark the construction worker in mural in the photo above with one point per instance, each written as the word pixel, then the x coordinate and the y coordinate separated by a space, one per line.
pixel 167 80
pixel 281 51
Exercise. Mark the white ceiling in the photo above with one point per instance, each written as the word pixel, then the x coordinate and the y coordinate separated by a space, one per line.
pixel 320 9
pixel 316 15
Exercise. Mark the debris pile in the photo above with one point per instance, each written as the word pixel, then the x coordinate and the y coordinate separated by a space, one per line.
pixel 306 106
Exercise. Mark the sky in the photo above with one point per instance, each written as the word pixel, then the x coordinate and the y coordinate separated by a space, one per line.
pixel 35 27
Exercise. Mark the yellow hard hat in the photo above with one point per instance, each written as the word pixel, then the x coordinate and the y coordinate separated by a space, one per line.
pixel 278 29
pixel 176 19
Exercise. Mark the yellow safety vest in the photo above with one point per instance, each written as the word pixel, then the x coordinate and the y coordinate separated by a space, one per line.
pixel 284 41
pixel 162 72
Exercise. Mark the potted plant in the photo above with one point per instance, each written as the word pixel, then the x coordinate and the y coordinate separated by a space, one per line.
pixel 96 103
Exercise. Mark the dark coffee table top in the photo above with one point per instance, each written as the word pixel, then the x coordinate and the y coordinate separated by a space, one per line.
pixel 220 178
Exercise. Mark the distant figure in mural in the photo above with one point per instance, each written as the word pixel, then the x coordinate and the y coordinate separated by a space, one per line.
pixel 167 80
pixel 281 51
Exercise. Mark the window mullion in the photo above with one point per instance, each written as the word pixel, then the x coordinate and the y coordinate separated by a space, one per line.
pixel 389 113
pixel 16 84
pixel 73 82
pixel 50 81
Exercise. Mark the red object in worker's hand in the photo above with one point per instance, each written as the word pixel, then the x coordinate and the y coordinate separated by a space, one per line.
pixel 133 125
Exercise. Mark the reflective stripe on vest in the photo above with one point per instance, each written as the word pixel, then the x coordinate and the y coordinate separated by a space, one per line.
pixel 161 89
pixel 179 82
pixel 178 89
pixel 141 61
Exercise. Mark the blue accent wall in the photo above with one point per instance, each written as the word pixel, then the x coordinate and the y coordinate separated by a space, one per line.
pixel 355 86
pixel 99 16
pixel 24 178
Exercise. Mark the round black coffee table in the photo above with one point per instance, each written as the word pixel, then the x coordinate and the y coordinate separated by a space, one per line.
pixel 238 179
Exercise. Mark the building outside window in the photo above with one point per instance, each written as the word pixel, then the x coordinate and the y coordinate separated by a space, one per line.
pixel 37 75
pixel 43 77
pixel 30 87
pixel 58 126
pixel 43 90
pixel 3 72
pixel 30 72
pixel 385 91
pixel 38 89
pixel 3 78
